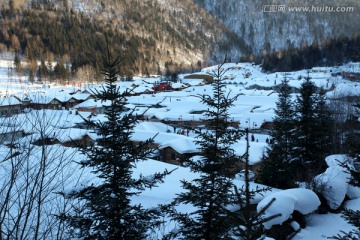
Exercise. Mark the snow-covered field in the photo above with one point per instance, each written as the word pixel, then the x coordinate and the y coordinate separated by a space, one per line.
pixel 252 108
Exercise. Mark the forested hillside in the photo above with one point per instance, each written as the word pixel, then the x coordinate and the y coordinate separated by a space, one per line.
pixel 178 35
pixel 150 33
pixel 292 26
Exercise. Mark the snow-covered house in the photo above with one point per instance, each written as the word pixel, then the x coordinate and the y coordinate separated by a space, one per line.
pixel 10 134
pixel 172 147
pixel 71 137
pixel 202 76
pixel 53 100
pixel 92 105
pixel 178 149
pixel 85 140
pixel 77 98
pixel 178 86
pixel 141 90
pixel 9 106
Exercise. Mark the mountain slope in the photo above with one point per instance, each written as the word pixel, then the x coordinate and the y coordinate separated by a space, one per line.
pixel 162 35
pixel 158 32
pixel 262 29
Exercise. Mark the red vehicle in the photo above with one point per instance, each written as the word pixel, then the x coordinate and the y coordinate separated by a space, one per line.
pixel 162 86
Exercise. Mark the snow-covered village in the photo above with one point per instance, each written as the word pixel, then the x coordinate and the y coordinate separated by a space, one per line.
pixel 44 126
pixel 179 119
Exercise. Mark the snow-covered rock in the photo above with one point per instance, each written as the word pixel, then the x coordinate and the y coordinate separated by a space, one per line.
pixel 333 184
pixel 286 202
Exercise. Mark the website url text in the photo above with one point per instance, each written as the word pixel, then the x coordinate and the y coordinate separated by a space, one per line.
pixel 315 9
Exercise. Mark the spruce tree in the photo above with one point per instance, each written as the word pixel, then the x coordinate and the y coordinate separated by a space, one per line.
pixel 108 212
pixel 60 71
pixel 307 161
pixel 323 129
pixel 353 217
pixel 352 133
pixel 17 62
pixel 314 132
pixel 212 190
pixel 275 168
pixel 42 71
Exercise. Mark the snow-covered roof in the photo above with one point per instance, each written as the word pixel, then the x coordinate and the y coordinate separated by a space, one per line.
pixel 180 143
pixel 46 97
pixel 178 85
pixel 46 119
pixel 80 96
pixel 256 150
pixel 142 89
pixel 9 101
pixel 70 134
pixel 92 103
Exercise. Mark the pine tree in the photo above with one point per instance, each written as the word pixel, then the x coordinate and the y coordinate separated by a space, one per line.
pixel 213 189
pixel 17 62
pixel 352 133
pixel 353 217
pixel 275 167
pixel 108 212
pixel 323 129
pixel 31 76
pixel 307 161
pixel 61 72
pixel 43 72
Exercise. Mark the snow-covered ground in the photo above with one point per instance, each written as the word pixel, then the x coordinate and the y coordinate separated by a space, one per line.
pixel 252 108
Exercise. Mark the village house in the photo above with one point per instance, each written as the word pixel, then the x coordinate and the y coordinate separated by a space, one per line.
pixel 10 106
pixel 81 141
pixel 141 90
pixel 352 76
pixel 93 106
pixel 202 76
pixel 76 99
pixel 72 137
pixel 10 134
pixel 178 149
pixel 56 100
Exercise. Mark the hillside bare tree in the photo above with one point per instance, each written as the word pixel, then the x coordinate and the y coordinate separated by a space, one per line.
pixel 30 176
pixel 86 73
